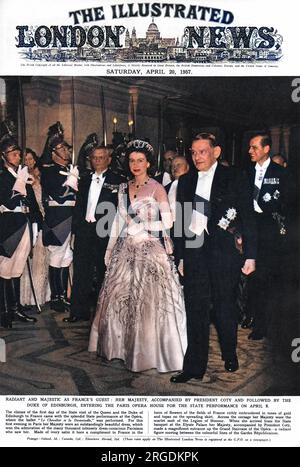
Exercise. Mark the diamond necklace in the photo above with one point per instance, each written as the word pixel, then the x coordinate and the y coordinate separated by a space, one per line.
pixel 137 187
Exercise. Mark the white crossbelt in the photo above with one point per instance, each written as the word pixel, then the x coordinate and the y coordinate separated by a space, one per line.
pixel 52 204
pixel 22 209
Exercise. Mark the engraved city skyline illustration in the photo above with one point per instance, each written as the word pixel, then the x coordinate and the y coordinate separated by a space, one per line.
pixel 118 44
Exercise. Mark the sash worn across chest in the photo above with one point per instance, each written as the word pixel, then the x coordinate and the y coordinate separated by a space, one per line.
pixel 202 205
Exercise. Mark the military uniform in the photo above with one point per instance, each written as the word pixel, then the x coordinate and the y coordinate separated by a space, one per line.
pixel 58 201
pixel 19 213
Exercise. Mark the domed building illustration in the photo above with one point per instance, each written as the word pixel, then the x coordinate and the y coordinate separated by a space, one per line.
pixel 152 34
pixel 152 37
pixel 151 48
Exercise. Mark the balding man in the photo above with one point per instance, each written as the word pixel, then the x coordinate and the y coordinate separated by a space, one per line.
pixel 165 177
pixel 100 186
pixel 217 212
pixel 179 166
pixel 280 160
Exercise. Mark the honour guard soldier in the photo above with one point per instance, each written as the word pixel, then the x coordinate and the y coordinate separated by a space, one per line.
pixel 59 186
pixel 19 220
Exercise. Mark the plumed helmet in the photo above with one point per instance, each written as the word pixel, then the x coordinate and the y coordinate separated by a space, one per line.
pixel 85 151
pixel 8 138
pixel 55 137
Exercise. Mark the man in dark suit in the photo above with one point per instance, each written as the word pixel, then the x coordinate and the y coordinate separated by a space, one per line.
pixel 214 221
pixel 269 183
pixel 97 193
pixel 165 177
pixel 179 167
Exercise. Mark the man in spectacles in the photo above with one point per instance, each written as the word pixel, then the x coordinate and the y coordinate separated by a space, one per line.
pixel 99 188
pixel 216 212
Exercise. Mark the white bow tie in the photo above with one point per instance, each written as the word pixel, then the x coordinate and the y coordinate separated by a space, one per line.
pixel 205 175
pixel 98 177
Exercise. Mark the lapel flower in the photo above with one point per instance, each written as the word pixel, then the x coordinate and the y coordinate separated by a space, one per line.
pixel 224 223
pixel 276 194
pixel 231 214
pixel 267 197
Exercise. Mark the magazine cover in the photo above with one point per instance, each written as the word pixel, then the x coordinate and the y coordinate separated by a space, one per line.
pixel 149 224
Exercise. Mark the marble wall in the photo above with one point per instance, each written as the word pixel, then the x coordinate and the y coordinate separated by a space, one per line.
pixel 164 110
pixel 48 99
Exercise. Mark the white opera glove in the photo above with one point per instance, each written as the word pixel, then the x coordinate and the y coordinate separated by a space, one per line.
pixel 249 267
pixel 72 242
pixel 23 177
pixel 107 256
pixel 35 233
pixel 72 177
pixel 135 227
pixel 180 268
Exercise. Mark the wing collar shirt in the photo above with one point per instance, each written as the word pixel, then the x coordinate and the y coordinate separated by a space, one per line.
pixel 166 179
pixel 172 198
pixel 94 193
pixel 203 189
pixel 259 176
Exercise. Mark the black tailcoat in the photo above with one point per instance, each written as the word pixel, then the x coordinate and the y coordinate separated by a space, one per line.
pixel 212 271
pixel 266 285
pixel 89 248
pixel 272 200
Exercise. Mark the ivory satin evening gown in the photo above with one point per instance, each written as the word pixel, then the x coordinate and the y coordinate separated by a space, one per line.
pixel 140 316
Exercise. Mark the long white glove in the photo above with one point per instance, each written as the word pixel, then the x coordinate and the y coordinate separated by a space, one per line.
pixel 23 177
pixel 72 177
pixel 72 242
pixel 180 268
pixel 135 228
pixel 35 233
pixel 107 257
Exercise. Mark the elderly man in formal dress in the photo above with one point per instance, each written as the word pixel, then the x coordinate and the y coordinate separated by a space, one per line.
pixel 179 166
pixel 215 238
pixel 100 187
pixel 165 177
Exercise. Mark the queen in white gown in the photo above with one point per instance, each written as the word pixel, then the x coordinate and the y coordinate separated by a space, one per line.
pixel 140 316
